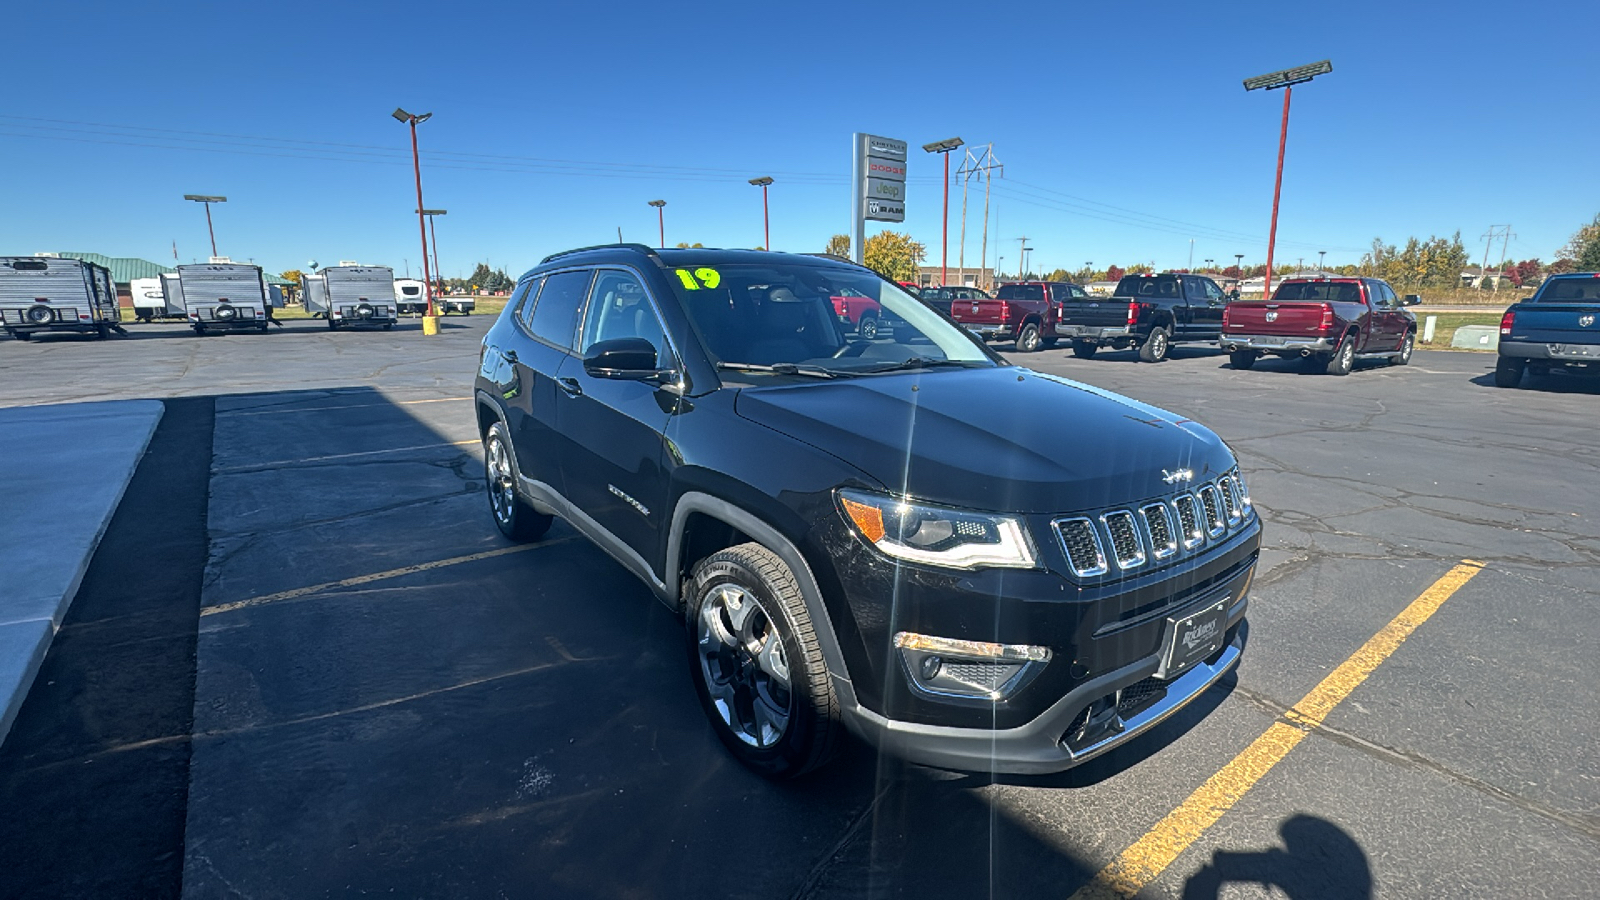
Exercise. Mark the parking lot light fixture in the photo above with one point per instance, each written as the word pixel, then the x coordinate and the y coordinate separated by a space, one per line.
pixel 661 219
pixel 430 324
pixel 766 228
pixel 1285 79
pixel 208 199
pixel 944 147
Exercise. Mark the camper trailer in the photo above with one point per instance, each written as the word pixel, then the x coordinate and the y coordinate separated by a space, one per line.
pixel 150 299
pixel 358 296
pixel 410 296
pixel 224 296
pixel 51 293
pixel 314 295
pixel 172 294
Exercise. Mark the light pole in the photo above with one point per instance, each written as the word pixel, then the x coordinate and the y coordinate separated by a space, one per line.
pixel 1285 79
pixel 944 147
pixel 1088 269
pixel 1208 264
pixel 1023 274
pixel 434 233
pixel 1238 266
pixel 1321 266
pixel 661 219
pixel 766 228
pixel 422 227
pixel 208 199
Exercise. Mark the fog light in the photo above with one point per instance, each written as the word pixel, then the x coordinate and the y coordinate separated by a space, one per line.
pixel 931 666
pixel 960 671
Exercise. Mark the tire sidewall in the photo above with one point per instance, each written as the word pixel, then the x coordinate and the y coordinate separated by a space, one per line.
pixel 1025 343
pixel 788 754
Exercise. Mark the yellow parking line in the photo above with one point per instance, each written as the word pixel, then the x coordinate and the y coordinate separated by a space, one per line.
pixel 376 576
pixel 1141 863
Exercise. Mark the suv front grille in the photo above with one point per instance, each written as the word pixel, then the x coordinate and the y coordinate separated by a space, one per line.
pixel 1160 531
pixel 1082 546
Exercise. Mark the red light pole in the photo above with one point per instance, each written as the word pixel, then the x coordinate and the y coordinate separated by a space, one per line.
pixel 944 250
pixel 661 219
pixel 422 224
pixel 766 228
pixel 1285 79
pixel 207 199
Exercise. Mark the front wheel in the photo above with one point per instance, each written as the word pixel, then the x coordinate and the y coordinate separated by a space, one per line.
pixel 1508 372
pixel 757 663
pixel 1243 359
pixel 1084 349
pixel 1028 339
pixel 512 515
pixel 1406 346
pixel 1155 347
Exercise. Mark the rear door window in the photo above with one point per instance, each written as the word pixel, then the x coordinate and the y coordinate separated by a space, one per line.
pixel 555 312
pixel 1021 292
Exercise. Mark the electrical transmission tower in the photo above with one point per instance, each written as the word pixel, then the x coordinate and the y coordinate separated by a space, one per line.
pixel 1495 231
pixel 982 166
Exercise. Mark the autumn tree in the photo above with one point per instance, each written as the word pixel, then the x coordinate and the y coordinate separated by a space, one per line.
pixel 1115 273
pixel 293 275
pixel 838 245
pixel 682 245
pixel 1058 275
pixel 893 255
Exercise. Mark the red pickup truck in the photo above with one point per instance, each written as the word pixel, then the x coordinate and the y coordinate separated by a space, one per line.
pixel 1331 322
pixel 1025 312
pixel 859 313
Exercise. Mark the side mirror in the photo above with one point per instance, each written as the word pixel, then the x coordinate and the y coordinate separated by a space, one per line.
pixel 1411 299
pixel 625 359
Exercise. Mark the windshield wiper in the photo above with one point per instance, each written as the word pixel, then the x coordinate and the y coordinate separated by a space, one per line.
pixel 922 362
pixel 780 369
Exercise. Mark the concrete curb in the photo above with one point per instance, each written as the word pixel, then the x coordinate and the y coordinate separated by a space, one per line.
pixel 55 524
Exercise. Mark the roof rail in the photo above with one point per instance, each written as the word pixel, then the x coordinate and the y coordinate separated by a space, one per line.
pixel 651 251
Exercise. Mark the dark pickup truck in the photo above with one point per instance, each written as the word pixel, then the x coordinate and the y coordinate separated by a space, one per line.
pixel 1331 322
pixel 1558 328
pixel 1025 312
pixel 1150 312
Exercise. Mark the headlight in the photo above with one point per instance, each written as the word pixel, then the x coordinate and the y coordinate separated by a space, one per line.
pixel 936 536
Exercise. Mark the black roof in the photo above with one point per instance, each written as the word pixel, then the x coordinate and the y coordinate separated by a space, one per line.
pixel 676 257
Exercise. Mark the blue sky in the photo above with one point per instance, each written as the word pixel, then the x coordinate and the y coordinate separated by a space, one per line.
pixel 1124 129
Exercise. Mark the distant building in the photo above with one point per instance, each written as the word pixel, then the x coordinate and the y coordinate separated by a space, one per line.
pixel 971 276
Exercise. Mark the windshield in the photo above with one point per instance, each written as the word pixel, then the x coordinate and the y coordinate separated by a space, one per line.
pixel 1569 290
pixel 785 314
pixel 1319 291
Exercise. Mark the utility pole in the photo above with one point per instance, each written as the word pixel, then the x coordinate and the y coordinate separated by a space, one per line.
pixel 1191 255
pixel 1488 242
pixel 975 166
pixel 1022 246
pixel 1504 243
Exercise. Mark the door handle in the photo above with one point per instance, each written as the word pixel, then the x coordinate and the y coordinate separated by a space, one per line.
pixel 509 356
pixel 570 386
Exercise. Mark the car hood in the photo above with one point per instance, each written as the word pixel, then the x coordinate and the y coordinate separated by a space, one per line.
pixel 1006 439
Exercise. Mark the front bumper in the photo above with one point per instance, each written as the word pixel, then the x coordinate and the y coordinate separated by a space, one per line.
pixel 1062 736
pixel 1094 332
pixel 1273 343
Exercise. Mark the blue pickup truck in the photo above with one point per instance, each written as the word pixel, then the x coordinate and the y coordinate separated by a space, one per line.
pixel 1558 328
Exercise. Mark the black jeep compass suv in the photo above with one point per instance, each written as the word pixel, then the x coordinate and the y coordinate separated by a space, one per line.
pixel 966 563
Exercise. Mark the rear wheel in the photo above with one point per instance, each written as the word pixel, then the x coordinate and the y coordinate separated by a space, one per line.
pixel 1084 349
pixel 757 663
pixel 868 327
pixel 1508 372
pixel 1155 347
pixel 1344 357
pixel 1028 339
pixel 512 515
pixel 1243 359
pixel 1406 346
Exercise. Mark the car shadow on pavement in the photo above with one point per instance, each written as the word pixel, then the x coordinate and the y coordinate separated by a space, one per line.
pixel 1554 383
pixel 1318 861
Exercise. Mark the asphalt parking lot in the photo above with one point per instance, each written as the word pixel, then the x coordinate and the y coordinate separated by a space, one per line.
pixel 364 689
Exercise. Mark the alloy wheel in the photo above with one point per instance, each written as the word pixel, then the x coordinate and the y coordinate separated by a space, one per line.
pixel 745 669
pixel 502 487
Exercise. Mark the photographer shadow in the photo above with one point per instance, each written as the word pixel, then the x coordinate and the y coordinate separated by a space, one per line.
pixel 1318 861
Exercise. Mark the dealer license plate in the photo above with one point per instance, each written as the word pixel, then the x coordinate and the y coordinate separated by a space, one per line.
pixel 1568 351
pixel 1193 638
pixel 1271 341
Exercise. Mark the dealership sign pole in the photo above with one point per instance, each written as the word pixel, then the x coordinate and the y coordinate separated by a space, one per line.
pixel 878 187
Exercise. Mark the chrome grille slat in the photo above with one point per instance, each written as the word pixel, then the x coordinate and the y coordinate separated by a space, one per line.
pixel 1189 521
pixel 1215 524
pixel 1081 543
pixel 1126 547
pixel 1230 500
pixel 1158 524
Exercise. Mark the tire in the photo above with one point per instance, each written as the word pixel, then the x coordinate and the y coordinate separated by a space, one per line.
pixel 22 335
pixel 388 326
pixel 512 515
pixel 1343 359
pixel 772 706
pixel 1407 345
pixel 1508 372
pixel 1243 359
pixel 200 330
pixel 1084 349
pixel 332 325
pixel 1028 339
pixel 1155 347
pixel 101 332
pixel 867 328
